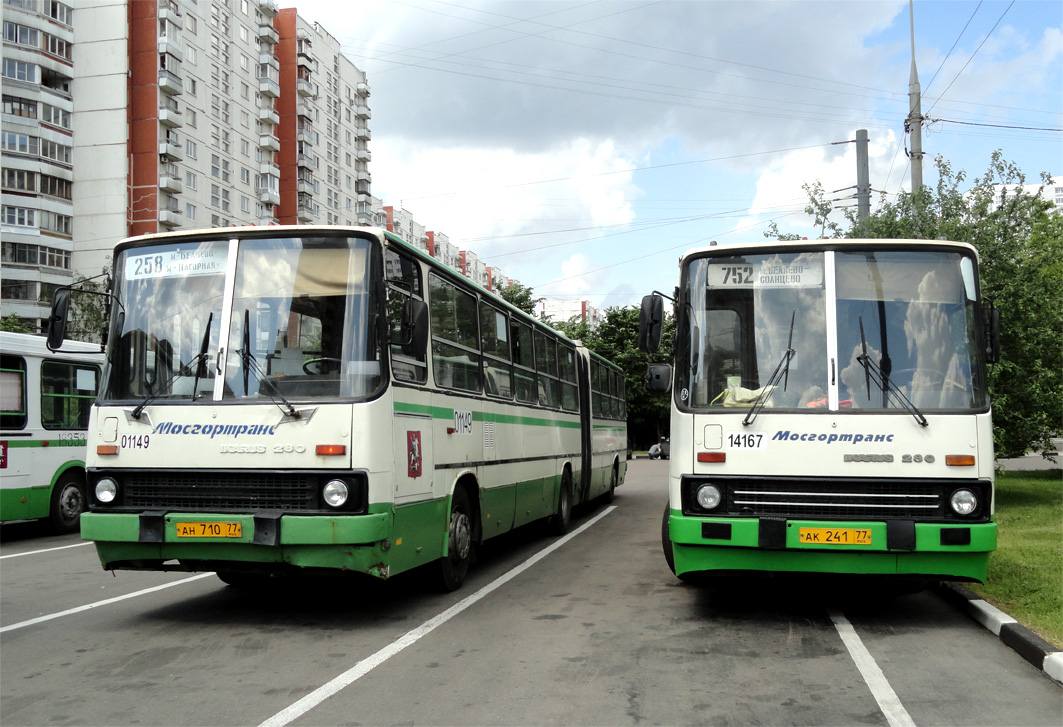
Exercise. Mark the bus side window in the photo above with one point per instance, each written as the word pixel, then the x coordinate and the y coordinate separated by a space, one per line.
pixel 404 282
pixel 546 364
pixel 455 338
pixel 596 389
pixel 524 363
pixel 67 393
pixel 13 412
pixel 498 370
pixel 569 392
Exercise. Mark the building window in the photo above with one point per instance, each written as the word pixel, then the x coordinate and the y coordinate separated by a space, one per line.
pixel 23 107
pixel 190 212
pixel 19 71
pixel 19 180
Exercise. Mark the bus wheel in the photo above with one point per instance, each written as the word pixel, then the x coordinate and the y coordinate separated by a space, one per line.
pixel 562 519
pixel 608 496
pixel 68 502
pixel 454 566
pixel 666 541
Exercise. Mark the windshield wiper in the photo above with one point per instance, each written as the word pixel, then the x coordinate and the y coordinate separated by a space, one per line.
pixel 199 361
pixel 782 370
pixel 251 365
pixel 881 376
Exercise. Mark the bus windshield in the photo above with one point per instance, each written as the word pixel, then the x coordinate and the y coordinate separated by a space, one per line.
pixel 830 330
pixel 299 326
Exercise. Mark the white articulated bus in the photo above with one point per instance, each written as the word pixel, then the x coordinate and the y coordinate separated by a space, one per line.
pixel 45 399
pixel 291 398
pixel 829 410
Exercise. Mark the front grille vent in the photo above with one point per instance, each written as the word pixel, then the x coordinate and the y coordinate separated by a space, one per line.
pixel 229 491
pixel 840 501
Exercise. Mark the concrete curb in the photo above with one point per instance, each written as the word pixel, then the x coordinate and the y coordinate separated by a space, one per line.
pixel 1024 642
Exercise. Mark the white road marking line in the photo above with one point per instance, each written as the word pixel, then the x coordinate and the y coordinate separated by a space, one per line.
pixel 887 699
pixel 79 609
pixel 363 667
pixel 45 550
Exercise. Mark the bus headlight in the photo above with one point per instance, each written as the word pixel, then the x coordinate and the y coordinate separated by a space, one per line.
pixel 106 490
pixel 963 502
pixel 335 493
pixel 708 497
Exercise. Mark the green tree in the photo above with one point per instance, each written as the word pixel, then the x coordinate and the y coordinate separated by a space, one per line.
pixel 615 339
pixel 1019 238
pixel 521 297
pixel 14 324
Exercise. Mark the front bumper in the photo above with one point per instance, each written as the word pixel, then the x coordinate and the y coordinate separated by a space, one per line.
pixel 943 551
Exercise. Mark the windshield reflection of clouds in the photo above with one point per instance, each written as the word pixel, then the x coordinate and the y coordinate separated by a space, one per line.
pixel 916 309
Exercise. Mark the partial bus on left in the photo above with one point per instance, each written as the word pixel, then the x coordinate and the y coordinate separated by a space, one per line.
pixel 45 399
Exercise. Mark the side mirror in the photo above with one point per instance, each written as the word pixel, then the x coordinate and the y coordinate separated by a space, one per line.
pixel 651 320
pixel 658 377
pixel 415 328
pixel 992 342
pixel 57 319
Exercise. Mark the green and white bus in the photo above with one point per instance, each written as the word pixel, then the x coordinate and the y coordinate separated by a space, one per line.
pixel 45 399
pixel 291 399
pixel 829 410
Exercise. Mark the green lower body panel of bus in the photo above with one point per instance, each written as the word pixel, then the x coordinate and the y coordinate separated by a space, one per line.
pixel 25 503
pixel 937 551
pixel 372 544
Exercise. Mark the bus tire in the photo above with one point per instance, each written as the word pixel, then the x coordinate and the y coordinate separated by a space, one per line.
pixel 68 502
pixel 607 498
pixel 561 520
pixel 455 564
pixel 666 540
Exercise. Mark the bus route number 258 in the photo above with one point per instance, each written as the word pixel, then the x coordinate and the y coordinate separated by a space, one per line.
pixel 746 440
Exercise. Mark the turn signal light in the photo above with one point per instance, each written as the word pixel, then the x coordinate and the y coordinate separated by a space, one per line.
pixel 331 450
pixel 959 460
pixel 106 449
pixel 712 456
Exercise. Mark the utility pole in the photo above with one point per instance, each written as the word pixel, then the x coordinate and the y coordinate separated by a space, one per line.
pixel 915 113
pixel 863 177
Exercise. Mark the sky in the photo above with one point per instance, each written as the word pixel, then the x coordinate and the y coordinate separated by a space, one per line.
pixel 581 146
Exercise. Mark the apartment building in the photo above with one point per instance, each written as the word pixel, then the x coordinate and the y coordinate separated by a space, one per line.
pixel 212 113
pixel 37 156
pixel 565 310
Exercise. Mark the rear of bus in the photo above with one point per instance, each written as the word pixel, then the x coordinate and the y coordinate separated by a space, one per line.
pixel 830 412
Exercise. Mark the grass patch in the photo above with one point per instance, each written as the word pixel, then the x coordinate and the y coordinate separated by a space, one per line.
pixel 1026 571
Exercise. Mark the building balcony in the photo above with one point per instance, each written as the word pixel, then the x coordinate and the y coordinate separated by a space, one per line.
pixel 267 168
pixel 302 108
pixel 171 116
pixel 171 150
pixel 268 33
pixel 269 59
pixel 307 137
pixel 362 88
pixel 305 213
pixel 171 184
pixel 171 13
pixel 269 196
pixel 269 87
pixel 270 142
pixel 267 7
pixel 170 218
pixel 363 155
pixel 305 186
pixel 306 160
pixel 170 82
pixel 172 48
pixel 363 176
pixel 303 87
pixel 362 111
pixel 269 115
